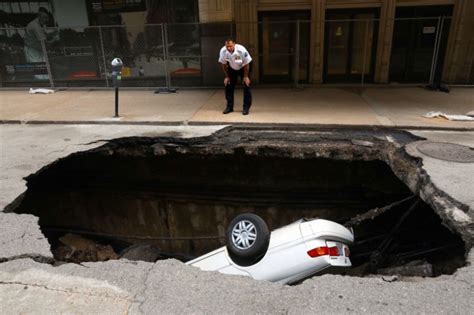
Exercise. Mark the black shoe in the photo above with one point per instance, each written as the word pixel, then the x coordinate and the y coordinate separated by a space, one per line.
pixel 227 110
pixel 245 111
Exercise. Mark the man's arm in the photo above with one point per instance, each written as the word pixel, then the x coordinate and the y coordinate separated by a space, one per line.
pixel 52 36
pixel 246 75
pixel 225 70
pixel 246 70
pixel 226 73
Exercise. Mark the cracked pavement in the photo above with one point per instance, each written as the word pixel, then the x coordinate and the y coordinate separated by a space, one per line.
pixel 28 284
pixel 170 287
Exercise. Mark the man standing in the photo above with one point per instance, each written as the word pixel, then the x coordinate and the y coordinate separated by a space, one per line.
pixel 35 34
pixel 235 61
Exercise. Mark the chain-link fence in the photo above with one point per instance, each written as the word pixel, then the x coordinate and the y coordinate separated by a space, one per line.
pixel 185 55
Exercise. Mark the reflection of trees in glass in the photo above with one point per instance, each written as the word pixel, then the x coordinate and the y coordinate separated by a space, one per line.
pixel 16 19
pixel 115 39
pixel 171 11
pixel 183 39
pixel 11 49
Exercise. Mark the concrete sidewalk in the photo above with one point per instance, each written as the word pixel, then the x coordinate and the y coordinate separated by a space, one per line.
pixel 371 106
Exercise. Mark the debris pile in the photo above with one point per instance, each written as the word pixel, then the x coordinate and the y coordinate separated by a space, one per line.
pixel 77 249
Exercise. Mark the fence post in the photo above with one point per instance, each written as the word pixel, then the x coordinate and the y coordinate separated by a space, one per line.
pixel 48 67
pixel 297 56
pixel 103 56
pixel 164 38
pixel 468 79
pixel 436 49
pixel 365 51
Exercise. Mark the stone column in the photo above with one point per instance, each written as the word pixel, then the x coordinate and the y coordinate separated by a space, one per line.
pixel 316 58
pixel 460 48
pixel 246 22
pixel 384 43
pixel 215 11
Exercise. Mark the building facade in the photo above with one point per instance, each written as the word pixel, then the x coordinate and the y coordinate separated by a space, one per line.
pixel 166 42
pixel 398 42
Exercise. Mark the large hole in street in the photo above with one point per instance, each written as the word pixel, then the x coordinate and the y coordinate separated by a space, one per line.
pixel 149 199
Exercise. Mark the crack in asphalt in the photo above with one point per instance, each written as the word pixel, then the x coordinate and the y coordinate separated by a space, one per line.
pixel 13 239
pixel 70 291
pixel 145 288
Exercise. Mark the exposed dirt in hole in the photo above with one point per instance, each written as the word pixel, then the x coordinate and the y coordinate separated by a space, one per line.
pixel 177 196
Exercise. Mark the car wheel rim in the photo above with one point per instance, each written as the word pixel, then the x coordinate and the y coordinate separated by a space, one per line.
pixel 244 234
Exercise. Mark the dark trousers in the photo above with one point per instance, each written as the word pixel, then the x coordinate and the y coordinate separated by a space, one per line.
pixel 229 89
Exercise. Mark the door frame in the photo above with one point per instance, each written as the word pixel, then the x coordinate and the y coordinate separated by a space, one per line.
pixel 422 11
pixel 348 77
pixel 292 16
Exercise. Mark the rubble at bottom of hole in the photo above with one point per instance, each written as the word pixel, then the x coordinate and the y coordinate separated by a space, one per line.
pixel 77 249
pixel 416 268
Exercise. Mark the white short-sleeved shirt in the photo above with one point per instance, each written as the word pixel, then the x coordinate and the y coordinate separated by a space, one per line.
pixel 239 58
pixel 35 33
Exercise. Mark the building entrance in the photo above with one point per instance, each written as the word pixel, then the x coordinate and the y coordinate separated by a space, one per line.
pixel 284 38
pixel 350 43
pixel 419 42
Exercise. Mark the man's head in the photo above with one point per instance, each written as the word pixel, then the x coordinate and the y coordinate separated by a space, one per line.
pixel 230 45
pixel 43 16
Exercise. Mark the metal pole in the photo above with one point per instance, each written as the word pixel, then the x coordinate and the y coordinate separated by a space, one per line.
pixel 48 67
pixel 469 70
pixel 164 36
pixel 116 102
pixel 365 50
pixel 297 57
pixel 435 51
pixel 103 56
pixel 165 53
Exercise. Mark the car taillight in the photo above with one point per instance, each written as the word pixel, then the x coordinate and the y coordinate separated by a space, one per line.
pixel 318 251
pixel 333 251
pixel 346 251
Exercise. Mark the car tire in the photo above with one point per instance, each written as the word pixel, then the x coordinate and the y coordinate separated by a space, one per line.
pixel 247 238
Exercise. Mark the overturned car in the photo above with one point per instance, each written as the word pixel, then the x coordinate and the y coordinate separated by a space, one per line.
pixel 286 255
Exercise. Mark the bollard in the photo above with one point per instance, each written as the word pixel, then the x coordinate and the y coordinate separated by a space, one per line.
pixel 117 65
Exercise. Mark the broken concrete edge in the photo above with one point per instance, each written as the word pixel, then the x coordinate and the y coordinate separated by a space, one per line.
pixel 10 208
pixel 470 257
pixel 172 287
pixel 32 256
pixel 22 237
pixel 455 215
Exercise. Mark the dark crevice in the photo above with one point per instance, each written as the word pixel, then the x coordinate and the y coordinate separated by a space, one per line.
pixel 34 257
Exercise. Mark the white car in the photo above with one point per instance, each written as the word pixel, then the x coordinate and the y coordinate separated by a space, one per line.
pixel 287 255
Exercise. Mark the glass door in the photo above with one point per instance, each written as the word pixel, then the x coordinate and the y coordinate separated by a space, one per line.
pixel 337 47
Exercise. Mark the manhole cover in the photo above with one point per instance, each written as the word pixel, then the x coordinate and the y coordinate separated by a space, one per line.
pixel 447 151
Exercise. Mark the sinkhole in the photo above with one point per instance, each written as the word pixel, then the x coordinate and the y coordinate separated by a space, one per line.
pixel 154 198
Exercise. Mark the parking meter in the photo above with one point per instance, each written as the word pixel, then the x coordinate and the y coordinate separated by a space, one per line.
pixel 117 65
